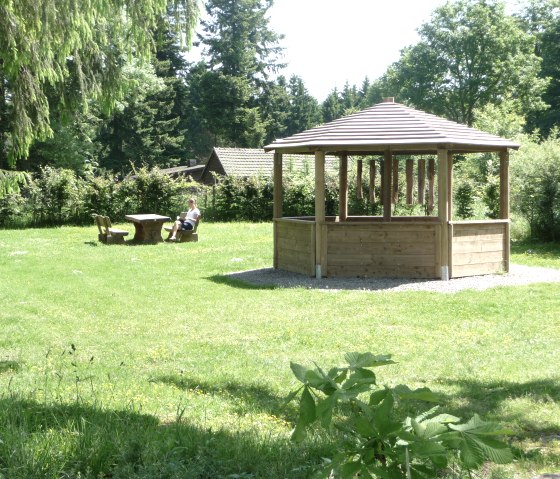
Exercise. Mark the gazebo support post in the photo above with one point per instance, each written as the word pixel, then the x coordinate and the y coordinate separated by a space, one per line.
pixel 372 175
pixel 431 174
pixel 450 212
pixel 409 181
pixel 359 180
pixel 443 212
pixel 449 186
pixel 343 188
pixel 395 173
pixel 278 194
pixel 421 180
pixel 319 211
pixel 504 203
pixel 387 167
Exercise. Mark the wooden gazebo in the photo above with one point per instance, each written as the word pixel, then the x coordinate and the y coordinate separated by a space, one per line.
pixel 410 247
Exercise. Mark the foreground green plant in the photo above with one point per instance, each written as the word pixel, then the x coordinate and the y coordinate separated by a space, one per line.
pixel 378 438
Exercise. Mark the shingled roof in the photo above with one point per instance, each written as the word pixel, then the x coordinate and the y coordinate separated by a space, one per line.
pixel 192 171
pixel 247 162
pixel 393 126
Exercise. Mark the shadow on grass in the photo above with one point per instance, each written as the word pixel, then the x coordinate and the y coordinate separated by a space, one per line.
pixel 79 440
pixel 6 366
pixel 130 242
pixel 270 278
pixel 487 398
pixel 231 280
pixel 246 398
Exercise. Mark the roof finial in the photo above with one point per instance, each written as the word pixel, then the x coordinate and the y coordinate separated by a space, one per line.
pixel 389 99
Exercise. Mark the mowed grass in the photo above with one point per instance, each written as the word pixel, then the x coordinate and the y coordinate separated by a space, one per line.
pixel 147 361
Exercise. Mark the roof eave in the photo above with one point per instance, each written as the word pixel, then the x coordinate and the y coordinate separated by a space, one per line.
pixel 412 148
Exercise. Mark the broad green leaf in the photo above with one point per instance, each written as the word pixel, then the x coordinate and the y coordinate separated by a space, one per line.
pixel 417 427
pixel 421 394
pixel 307 412
pixel 383 417
pixel 342 375
pixel 493 450
pixel 383 473
pixel 452 439
pixel 299 371
pixel 357 389
pixel 350 469
pixel 480 427
pixel 314 378
pixel 421 471
pixel 290 397
pixel 378 396
pixel 445 419
pixel 363 427
pixel 385 408
pixel 367 360
pixel 406 437
pixel 433 429
pixel 360 376
pixel 324 410
pixel 471 453
pixel 335 373
pixel 427 449
pixel 426 414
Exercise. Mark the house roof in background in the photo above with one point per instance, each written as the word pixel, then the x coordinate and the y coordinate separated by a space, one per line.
pixel 390 125
pixel 185 170
pixel 251 161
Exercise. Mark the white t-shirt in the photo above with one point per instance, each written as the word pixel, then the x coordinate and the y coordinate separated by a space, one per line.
pixel 192 216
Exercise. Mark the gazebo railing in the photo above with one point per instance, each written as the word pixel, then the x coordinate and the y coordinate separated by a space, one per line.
pixel 403 247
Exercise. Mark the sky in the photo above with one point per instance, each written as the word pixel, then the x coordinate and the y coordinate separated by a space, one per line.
pixel 330 42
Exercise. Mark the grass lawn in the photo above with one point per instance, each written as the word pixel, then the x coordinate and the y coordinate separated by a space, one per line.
pixel 144 361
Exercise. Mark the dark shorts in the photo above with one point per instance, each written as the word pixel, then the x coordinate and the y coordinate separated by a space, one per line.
pixel 186 226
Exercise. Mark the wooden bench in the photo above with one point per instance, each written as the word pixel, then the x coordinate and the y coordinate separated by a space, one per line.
pixel 108 234
pixel 185 236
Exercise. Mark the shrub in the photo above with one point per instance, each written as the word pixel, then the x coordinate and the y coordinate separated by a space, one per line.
pixel 101 195
pixel 378 438
pixel 53 197
pixel 492 197
pixel 464 200
pixel 536 187
pixel 11 209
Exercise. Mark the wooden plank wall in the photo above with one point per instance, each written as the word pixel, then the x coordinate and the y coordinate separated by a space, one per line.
pixel 382 249
pixel 478 248
pixel 295 243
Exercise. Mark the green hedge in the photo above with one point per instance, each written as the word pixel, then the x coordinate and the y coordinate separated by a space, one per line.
pixel 61 197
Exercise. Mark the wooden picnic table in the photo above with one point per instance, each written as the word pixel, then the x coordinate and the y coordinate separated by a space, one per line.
pixel 147 227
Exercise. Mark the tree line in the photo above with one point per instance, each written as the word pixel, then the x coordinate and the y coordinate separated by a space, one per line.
pixel 117 94
pixel 93 96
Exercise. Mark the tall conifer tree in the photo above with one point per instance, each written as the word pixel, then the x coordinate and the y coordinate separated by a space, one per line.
pixel 149 130
pixel 241 53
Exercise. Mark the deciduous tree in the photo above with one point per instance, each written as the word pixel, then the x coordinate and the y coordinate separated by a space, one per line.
pixel 471 53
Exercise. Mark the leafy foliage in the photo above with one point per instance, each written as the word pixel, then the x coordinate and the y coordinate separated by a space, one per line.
pixel 38 53
pixel 378 438
pixel 11 181
pixel 56 196
pixel 464 198
pixel 535 187
pixel 471 54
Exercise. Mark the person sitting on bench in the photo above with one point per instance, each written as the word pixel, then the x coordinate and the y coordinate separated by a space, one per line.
pixel 186 221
